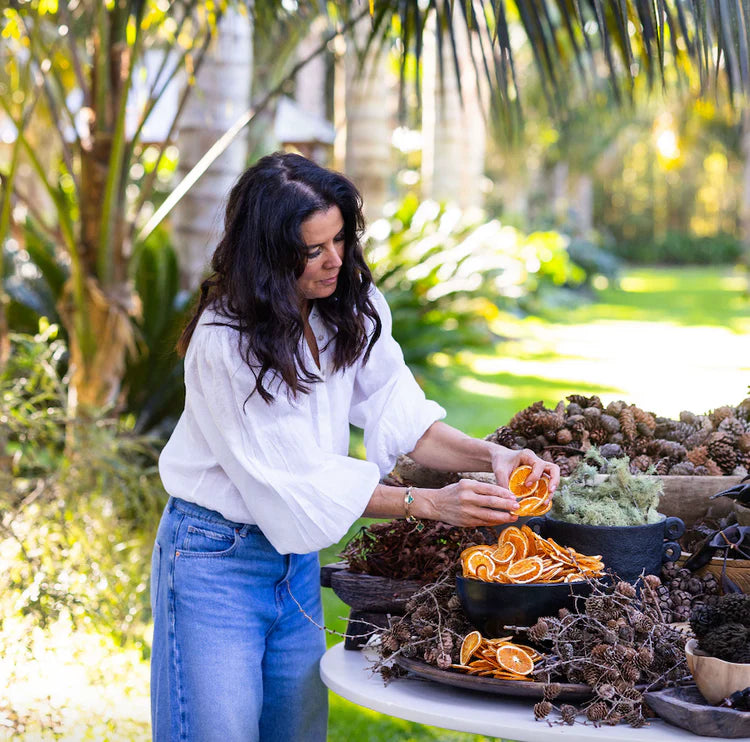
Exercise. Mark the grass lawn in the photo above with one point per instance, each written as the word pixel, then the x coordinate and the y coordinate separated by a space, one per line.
pixel 667 340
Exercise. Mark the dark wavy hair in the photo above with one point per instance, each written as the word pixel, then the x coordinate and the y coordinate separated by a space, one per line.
pixel 261 255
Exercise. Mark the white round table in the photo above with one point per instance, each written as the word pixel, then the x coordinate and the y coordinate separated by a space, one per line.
pixel 347 673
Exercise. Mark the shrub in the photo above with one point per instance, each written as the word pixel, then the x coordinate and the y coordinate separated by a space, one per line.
pixel 79 501
pixel 678 248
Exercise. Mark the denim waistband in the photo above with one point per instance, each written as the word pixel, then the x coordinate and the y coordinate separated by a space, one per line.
pixel 198 511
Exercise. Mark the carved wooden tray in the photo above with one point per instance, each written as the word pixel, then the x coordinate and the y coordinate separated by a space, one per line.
pixel 519 688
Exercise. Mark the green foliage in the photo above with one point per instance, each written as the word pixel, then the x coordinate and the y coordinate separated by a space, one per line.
pixel 153 379
pixel 622 499
pixel 677 248
pixel 447 274
pixel 79 503
pixel 154 391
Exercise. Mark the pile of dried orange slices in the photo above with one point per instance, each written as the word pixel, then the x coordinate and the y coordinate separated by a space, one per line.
pixel 500 658
pixel 531 497
pixel 522 556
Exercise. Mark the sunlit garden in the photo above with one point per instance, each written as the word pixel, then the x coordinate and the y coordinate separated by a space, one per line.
pixel 558 206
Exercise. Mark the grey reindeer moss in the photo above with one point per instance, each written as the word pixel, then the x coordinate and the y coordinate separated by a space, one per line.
pixel 621 500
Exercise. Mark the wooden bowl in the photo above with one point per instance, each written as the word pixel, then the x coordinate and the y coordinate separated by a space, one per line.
pixel 716 679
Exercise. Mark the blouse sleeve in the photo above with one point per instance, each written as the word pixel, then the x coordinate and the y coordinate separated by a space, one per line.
pixel 302 497
pixel 387 402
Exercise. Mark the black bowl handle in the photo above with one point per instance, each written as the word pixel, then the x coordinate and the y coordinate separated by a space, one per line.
pixel 671 551
pixel 536 524
pixel 673 528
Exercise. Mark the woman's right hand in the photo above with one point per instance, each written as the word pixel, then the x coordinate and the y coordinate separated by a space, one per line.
pixel 471 503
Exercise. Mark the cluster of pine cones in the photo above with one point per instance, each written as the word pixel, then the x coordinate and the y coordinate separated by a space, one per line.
pixel 618 641
pixel 432 629
pixel 722 627
pixel 717 443
pixel 681 591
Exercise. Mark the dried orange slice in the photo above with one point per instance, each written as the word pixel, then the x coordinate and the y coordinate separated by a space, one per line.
pixel 525 570
pixel 530 506
pixel 514 659
pixel 483 573
pixel 515 536
pixel 517 482
pixel 470 645
pixel 542 489
pixel 471 549
pixel 478 559
pixel 505 553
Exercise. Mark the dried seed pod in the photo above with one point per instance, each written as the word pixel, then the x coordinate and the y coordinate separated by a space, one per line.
pixel 597 711
pixel 552 691
pixel 568 713
pixel 542 709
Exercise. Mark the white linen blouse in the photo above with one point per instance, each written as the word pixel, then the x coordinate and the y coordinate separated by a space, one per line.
pixel 285 466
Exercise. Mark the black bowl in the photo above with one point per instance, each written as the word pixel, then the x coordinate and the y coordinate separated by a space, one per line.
pixel 626 550
pixel 490 606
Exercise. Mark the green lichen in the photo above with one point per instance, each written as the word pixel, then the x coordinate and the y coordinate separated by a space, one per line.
pixel 622 499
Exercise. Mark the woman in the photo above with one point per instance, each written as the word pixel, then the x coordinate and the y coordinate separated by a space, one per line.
pixel 290 343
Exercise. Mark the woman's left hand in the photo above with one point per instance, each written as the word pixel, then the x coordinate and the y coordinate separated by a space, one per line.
pixel 505 460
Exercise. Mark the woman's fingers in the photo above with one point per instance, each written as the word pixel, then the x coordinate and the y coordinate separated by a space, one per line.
pixel 485 495
pixel 539 467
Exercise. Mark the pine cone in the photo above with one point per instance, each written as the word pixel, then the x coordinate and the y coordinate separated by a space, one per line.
pixel 539 631
pixel 673 430
pixel 735 607
pixel 703 619
pixel 698 456
pixel 597 711
pixel 732 426
pixel 663 466
pixel 611 451
pixel 644 658
pixel 627 424
pixel 503 436
pixel 724 455
pixel 683 469
pixel 640 463
pixel 584 402
pixel 725 642
pixel 626 589
pixel 662 448
pixel 524 421
pixel 552 691
pixel 743 443
pixel 564 436
pixel 542 709
pixel 717 415
pixel 598 432
pixel 591 675
pixel 713 468
pixel 646 418
pixel 574 409
pixel 635 719
pixel 698 438
pixel 568 713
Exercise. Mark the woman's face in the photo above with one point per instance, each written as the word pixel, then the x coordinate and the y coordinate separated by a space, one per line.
pixel 323 235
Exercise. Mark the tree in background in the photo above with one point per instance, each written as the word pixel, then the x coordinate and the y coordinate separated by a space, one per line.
pixel 67 69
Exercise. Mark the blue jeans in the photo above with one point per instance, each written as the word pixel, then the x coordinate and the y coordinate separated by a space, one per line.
pixel 233 659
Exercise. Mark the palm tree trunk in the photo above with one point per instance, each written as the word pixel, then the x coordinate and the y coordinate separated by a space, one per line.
pixel 745 195
pixel 95 308
pixel 453 125
pixel 222 94
pixel 310 84
pixel 369 123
